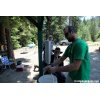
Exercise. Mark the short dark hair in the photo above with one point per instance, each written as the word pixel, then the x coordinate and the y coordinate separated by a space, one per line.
pixel 57 48
pixel 71 29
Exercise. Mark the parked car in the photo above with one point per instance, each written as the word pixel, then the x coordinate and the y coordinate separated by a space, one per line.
pixel 31 45
pixel 64 42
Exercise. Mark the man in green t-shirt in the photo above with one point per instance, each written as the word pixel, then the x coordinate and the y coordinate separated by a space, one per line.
pixel 77 51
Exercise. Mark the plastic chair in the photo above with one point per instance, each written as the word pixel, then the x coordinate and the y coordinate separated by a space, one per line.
pixel 5 61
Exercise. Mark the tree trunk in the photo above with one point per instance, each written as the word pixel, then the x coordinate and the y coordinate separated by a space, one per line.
pixel 70 20
pixel 9 44
pixel 49 18
pixel 6 36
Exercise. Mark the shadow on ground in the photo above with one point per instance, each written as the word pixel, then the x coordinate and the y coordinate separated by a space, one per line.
pixel 23 52
pixel 12 76
pixel 95 65
pixel 23 60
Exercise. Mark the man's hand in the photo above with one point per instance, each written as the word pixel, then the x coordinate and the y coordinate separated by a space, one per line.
pixel 50 69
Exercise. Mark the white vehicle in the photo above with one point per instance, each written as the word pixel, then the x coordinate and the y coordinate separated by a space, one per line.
pixel 31 45
pixel 64 42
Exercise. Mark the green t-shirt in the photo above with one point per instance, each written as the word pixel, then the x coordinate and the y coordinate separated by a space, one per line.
pixel 78 50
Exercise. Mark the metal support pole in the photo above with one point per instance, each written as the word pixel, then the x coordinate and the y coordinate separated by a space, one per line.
pixel 40 25
pixel 40 52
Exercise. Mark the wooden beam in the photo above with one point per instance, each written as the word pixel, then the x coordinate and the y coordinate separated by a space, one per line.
pixel 32 20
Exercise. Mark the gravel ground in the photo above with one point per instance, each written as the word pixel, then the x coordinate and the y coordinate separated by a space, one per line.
pixel 95 63
pixel 29 58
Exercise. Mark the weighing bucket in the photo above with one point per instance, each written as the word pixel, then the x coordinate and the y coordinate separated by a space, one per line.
pixel 49 78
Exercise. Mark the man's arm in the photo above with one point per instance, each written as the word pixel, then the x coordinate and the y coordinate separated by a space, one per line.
pixel 71 67
pixel 68 68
